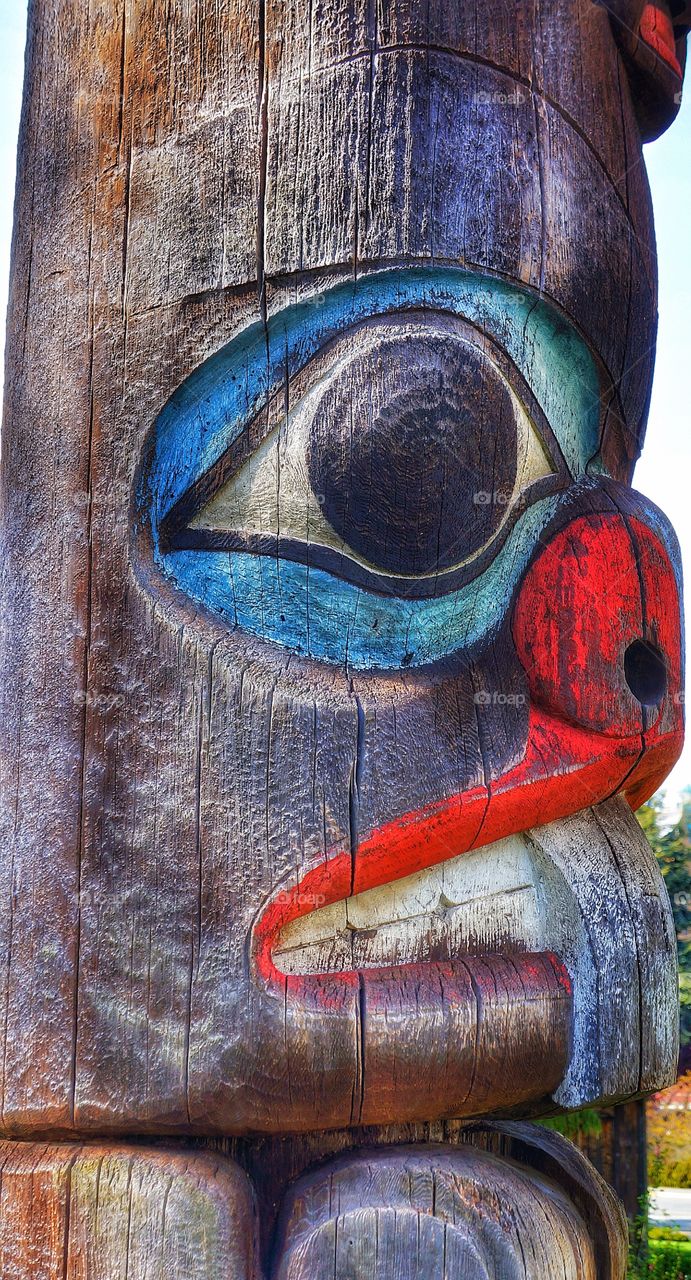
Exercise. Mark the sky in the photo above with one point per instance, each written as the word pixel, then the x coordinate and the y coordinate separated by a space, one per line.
pixel 12 35
pixel 664 472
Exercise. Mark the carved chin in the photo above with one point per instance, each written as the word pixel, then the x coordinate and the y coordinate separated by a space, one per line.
pixel 541 964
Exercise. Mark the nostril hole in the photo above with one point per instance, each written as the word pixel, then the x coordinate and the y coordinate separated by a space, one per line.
pixel 646 673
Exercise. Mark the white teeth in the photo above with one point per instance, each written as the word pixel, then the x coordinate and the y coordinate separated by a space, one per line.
pixel 483 874
pixel 488 900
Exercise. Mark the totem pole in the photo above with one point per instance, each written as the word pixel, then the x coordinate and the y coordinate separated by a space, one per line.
pixel 336 647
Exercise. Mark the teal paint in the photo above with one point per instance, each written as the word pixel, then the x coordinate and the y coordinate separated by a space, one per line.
pixel 311 611
pixel 319 615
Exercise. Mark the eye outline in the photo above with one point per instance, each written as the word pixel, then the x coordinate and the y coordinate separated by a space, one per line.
pixel 243 597
pixel 177 534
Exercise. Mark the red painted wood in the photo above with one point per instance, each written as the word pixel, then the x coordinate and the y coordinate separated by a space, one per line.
pixel 657 31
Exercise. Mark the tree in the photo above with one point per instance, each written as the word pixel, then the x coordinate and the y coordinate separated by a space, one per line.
pixel 673 852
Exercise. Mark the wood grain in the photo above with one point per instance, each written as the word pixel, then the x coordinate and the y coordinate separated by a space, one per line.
pixel 293 859
pixel 431 1212
pixel 547 1153
pixel 101 1212
pixel 423 164
pixel 165 775
pixel 76 1212
pixel 619 1152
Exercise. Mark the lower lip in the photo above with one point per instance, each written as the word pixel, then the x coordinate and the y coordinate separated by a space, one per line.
pixel 492 1033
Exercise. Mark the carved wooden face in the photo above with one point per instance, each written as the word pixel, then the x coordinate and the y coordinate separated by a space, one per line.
pixel 397 645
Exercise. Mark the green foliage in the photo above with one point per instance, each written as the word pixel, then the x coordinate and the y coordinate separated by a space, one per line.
pixel 677 1173
pixel 576 1125
pixel 673 853
pixel 685 996
pixel 639 1252
pixel 655 1256
pixel 649 819
pixel 662 1253
pixel 669 1140
pixel 667 1261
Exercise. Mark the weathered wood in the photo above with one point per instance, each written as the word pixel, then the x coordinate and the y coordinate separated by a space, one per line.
pixel 335 643
pixel 549 1154
pixel 203 785
pixel 76 1212
pixel 414 1212
pixel 97 1212
pixel 619 1151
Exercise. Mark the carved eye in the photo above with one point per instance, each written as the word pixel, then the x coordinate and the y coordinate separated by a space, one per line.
pixel 363 480
pixel 399 461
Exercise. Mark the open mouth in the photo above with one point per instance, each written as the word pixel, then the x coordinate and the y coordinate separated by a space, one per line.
pixel 543 960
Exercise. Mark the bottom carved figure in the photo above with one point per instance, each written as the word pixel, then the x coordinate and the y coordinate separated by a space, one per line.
pixel 112 1212
pixel 509 1202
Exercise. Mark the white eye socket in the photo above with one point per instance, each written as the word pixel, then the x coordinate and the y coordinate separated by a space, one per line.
pixel 403 463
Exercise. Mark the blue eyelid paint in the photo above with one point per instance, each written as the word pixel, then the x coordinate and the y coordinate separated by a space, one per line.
pixel 310 610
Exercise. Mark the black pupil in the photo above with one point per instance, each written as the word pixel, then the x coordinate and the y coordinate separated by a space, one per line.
pixel 413 452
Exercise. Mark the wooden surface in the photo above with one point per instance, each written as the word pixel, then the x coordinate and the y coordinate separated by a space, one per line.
pixel 548 1154
pixel 75 1212
pixel 262 187
pixel 430 1212
pixel 619 1152
pixel 112 1212
pixel 336 647
pixel 181 783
